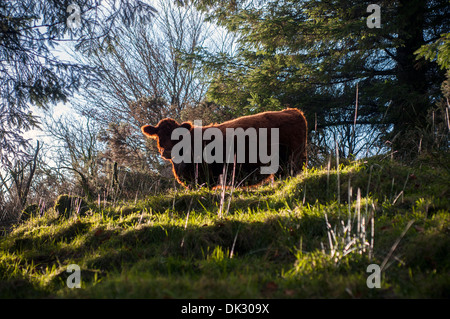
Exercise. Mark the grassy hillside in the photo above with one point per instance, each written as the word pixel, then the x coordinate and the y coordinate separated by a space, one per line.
pixel 293 239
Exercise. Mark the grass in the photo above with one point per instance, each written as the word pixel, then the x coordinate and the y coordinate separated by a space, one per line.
pixel 297 238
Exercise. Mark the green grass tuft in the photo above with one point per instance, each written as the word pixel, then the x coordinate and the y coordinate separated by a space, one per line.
pixel 304 237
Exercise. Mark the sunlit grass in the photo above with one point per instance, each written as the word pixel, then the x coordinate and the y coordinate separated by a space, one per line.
pixel 294 238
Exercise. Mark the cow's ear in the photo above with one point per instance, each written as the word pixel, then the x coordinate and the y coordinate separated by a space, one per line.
pixel 187 125
pixel 150 131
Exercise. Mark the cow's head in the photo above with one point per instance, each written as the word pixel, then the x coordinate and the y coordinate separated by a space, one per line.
pixel 162 133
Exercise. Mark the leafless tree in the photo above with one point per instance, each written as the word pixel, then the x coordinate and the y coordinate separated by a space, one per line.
pixel 140 79
pixel 142 61
pixel 15 183
pixel 76 150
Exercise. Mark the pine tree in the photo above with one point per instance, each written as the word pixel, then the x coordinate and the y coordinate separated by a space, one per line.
pixel 313 54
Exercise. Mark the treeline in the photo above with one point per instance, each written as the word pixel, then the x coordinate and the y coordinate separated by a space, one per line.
pixel 365 91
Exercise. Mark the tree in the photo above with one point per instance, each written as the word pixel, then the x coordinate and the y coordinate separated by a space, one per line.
pixel 76 151
pixel 18 179
pixel 438 51
pixel 31 73
pixel 142 61
pixel 140 80
pixel 312 55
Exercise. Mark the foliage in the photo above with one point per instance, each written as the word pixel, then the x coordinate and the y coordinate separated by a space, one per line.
pixel 139 80
pixel 316 56
pixel 438 51
pixel 31 71
pixel 30 211
pixel 207 112
pixel 267 245
pixel 69 205
pixel 16 181
pixel 135 233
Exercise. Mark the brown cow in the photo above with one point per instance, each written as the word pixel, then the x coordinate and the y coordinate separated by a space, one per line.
pixel 283 132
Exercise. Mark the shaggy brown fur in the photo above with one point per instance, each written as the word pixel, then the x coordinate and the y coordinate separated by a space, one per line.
pixel 292 127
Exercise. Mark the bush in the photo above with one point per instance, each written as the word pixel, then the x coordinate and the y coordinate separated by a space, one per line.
pixel 29 211
pixel 69 205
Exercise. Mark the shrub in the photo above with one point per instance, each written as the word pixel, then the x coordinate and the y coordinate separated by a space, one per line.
pixel 69 205
pixel 29 211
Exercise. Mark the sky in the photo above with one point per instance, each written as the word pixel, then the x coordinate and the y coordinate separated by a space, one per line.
pixel 64 52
